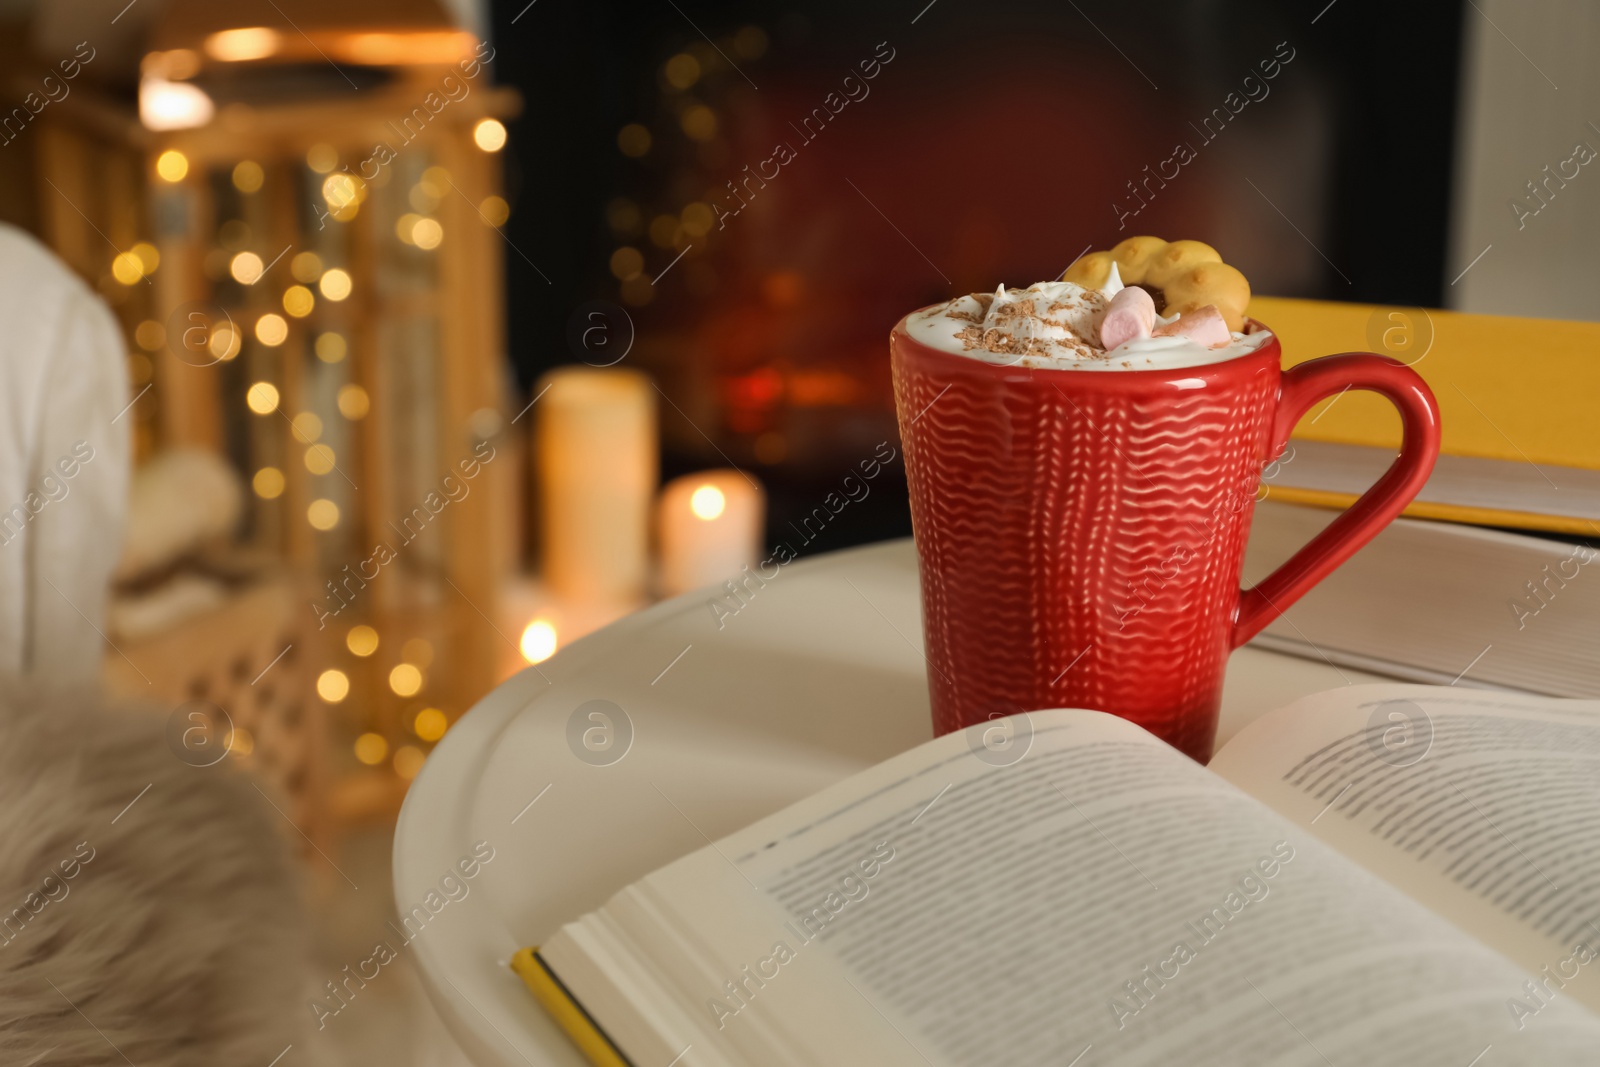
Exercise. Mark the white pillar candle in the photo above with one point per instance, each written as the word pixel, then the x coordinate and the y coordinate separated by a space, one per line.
pixel 710 526
pixel 596 463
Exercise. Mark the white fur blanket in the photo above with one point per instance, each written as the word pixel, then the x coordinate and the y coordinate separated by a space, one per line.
pixel 148 913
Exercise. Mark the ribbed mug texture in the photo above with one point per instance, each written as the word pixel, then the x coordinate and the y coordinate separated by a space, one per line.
pixel 1080 533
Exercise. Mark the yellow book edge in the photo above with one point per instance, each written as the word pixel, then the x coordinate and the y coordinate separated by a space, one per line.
pixel 567 1012
pixel 1422 509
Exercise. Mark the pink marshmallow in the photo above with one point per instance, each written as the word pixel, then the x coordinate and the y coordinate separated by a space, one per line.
pixel 1130 314
pixel 1203 326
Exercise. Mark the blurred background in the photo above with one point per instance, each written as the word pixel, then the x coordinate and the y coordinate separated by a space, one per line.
pixel 456 329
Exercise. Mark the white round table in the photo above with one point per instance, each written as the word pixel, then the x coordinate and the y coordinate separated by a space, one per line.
pixel 665 730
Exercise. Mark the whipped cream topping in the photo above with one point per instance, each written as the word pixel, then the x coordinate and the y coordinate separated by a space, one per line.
pixel 1056 325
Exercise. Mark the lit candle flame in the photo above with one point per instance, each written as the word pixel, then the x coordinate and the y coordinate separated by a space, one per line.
pixel 538 641
pixel 707 502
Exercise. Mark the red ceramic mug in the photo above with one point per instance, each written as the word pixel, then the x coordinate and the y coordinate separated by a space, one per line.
pixel 1080 533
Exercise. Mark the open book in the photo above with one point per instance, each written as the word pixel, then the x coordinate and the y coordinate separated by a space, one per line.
pixel 1374 875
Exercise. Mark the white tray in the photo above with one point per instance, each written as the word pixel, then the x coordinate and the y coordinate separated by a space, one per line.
pixel 817 675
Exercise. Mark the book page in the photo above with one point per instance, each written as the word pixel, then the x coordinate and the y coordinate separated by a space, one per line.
pixel 1481 805
pixel 1080 895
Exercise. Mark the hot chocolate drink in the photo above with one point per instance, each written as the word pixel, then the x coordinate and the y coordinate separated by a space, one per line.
pixel 1096 319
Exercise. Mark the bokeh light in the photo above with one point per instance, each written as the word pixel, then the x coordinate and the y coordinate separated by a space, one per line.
pixel 538 641
pixel 307 426
pixel 126 268
pixel 322 158
pixel 353 401
pixel 243 44
pixel 246 268
pixel 333 686
pixel 495 210
pixel 707 502
pixel 323 514
pixel 331 347
pixel 271 329
pixel 682 70
pixel 626 262
pixel 224 342
pixel 372 749
pixel 427 233
pixel 335 284
pixel 268 483
pixel 489 135
pixel 699 123
pixel 262 398
pixel 248 176
pixel 663 231
pixel 362 640
pixel 339 190
pixel 405 679
pixel 430 724
pixel 298 301
pixel 320 459
pixel 172 165
pixel 697 219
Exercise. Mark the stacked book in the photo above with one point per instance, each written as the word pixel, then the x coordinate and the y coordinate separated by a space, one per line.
pixel 1493 580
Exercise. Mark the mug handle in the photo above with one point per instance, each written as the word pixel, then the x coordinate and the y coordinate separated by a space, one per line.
pixel 1302 386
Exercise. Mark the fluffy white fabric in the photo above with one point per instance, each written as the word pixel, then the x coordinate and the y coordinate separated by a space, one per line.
pixel 63 462
pixel 177 938
pixel 178 501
